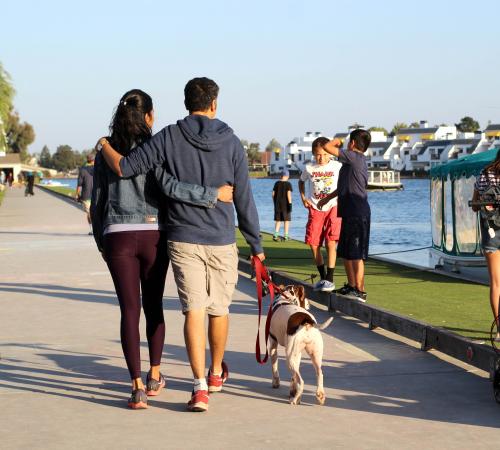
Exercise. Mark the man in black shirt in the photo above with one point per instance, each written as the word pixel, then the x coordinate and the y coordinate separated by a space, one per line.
pixel 84 187
pixel 282 197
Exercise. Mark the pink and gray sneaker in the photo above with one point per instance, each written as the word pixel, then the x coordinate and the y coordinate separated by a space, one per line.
pixel 154 387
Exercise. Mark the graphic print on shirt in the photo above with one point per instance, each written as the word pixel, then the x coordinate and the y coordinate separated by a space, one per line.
pixel 321 181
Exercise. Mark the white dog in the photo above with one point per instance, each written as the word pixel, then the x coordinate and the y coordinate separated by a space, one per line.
pixel 296 329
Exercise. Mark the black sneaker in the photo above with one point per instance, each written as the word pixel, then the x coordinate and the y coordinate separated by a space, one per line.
pixel 359 295
pixel 276 238
pixel 345 290
pixel 138 400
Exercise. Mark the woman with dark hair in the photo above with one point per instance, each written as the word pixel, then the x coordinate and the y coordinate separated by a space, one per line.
pixel 128 221
pixel 489 180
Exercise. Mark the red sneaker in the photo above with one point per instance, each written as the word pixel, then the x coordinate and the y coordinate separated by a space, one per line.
pixel 198 402
pixel 215 382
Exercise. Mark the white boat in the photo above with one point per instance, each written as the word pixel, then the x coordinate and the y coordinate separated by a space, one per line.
pixel 53 183
pixel 456 235
pixel 384 180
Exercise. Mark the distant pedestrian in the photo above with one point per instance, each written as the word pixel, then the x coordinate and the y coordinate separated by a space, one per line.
pixel 282 198
pixel 2 177
pixel 84 187
pixel 10 179
pixel 323 225
pixel 354 209
pixel 30 182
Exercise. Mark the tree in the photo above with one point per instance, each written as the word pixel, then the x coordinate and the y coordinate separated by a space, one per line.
pixel 64 159
pixel 253 153
pixel 45 157
pixel 398 126
pixel 379 129
pixel 414 125
pixel 19 135
pixel 467 125
pixel 6 94
pixel 273 145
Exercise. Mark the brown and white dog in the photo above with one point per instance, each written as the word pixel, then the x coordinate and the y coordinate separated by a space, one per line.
pixel 296 329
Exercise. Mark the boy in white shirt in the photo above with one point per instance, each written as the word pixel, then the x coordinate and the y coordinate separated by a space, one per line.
pixel 323 226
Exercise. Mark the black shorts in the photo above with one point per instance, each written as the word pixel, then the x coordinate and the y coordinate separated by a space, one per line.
pixel 354 238
pixel 283 214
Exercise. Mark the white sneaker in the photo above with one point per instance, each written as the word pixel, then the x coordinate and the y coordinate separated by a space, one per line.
pixel 319 285
pixel 328 286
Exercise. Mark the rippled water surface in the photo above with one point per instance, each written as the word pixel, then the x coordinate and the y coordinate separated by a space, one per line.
pixel 400 219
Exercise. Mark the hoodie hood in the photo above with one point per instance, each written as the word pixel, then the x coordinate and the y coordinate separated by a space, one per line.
pixel 204 133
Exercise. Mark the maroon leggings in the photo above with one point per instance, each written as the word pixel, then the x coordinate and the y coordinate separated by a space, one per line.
pixel 138 261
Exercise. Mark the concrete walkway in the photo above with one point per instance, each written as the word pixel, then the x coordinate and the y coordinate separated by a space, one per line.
pixel 64 383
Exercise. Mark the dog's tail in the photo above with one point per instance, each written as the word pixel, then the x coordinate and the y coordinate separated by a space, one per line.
pixel 323 325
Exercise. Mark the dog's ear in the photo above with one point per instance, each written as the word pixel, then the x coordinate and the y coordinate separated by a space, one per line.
pixel 301 294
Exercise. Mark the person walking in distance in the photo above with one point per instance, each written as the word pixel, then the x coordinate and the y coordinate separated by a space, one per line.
pixel 84 187
pixel 282 199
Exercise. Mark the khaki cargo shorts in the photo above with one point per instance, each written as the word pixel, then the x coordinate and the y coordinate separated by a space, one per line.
pixel 86 205
pixel 205 275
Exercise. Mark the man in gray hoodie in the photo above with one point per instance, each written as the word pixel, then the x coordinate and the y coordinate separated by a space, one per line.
pixel 201 149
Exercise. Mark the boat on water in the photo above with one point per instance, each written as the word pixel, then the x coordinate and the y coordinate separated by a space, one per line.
pixel 384 180
pixel 53 183
pixel 456 235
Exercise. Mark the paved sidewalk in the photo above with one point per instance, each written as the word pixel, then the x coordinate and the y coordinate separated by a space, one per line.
pixel 64 383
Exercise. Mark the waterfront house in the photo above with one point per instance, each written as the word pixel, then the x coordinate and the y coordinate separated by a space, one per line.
pixel 411 149
pixel 378 154
pixel 295 154
pixel 492 135
pixel 463 146
pixel 414 142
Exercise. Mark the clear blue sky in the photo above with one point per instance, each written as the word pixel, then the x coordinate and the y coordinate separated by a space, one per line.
pixel 284 67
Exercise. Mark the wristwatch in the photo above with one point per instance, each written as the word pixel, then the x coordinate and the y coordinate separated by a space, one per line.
pixel 101 142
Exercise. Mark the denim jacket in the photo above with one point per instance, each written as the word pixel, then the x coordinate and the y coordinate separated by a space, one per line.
pixel 140 199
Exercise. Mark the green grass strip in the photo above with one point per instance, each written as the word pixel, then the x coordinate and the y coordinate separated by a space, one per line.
pixel 459 306
pixel 62 190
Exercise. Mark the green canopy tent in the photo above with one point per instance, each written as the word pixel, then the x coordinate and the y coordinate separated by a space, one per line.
pixel 455 227
pixel 466 167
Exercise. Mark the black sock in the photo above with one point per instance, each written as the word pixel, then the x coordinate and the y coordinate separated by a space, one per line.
pixel 321 270
pixel 329 274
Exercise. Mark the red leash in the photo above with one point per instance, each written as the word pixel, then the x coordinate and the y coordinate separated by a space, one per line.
pixel 261 274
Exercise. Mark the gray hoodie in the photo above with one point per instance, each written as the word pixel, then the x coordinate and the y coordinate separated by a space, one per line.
pixel 202 151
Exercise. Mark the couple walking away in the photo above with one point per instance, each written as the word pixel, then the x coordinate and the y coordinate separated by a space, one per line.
pixel 167 198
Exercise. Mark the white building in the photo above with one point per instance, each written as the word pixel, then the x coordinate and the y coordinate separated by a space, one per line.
pixel 378 154
pixel 295 154
pixel 411 149
pixel 410 143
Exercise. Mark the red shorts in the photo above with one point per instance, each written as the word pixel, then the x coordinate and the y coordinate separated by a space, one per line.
pixel 322 226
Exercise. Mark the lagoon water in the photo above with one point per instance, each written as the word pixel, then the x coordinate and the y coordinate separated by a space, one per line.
pixel 400 219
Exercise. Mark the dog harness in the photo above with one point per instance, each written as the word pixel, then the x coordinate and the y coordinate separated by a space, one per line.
pixel 282 311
